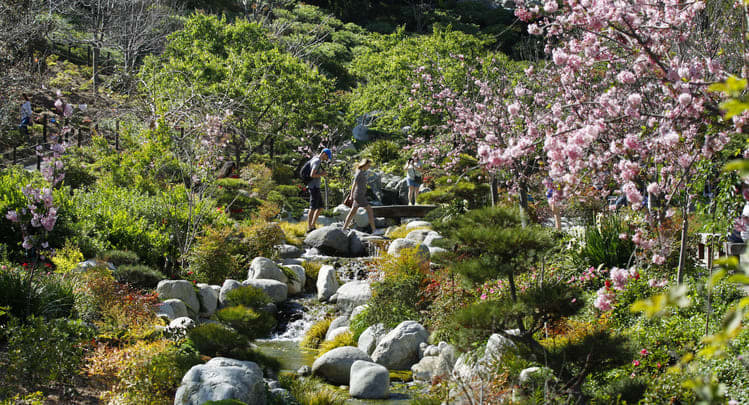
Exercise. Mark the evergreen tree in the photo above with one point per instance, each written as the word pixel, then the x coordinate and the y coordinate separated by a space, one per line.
pixel 492 243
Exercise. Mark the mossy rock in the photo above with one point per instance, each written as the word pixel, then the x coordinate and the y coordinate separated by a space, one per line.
pixel 401 375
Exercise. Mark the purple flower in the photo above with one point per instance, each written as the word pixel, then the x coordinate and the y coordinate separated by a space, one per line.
pixel 12 216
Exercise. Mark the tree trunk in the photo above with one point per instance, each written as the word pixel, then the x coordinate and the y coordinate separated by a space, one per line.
pixel 683 245
pixel 94 68
pixel 494 190
pixel 523 189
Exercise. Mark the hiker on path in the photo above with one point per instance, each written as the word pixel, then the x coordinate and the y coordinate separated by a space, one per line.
pixel 359 194
pixel 26 115
pixel 413 178
pixel 315 196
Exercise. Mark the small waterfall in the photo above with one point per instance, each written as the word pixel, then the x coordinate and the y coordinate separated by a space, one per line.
pixel 296 316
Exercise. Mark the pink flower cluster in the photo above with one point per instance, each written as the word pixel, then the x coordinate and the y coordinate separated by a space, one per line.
pixel 618 280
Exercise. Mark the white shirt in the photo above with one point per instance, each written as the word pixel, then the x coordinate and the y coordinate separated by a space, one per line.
pixel 26 110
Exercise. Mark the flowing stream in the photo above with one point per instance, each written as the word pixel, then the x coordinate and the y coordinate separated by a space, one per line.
pixel 296 316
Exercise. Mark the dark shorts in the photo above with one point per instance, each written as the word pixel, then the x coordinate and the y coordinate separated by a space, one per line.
pixel 413 183
pixel 315 199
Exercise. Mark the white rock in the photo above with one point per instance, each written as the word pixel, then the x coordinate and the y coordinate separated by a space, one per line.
pixel 353 294
pixel 296 286
pixel 276 290
pixel 371 336
pixel 263 268
pixel 222 378
pixel 399 349
pixel 172 309
pixel 335 365
pixel 208 297
pixel 418 224
pixel 327 284
pixel 369 380
pixel 179 289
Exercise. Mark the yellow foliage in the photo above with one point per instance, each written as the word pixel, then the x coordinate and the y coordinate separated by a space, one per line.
pixel 344 339
pixel 294 232
pixel 316 334
pixel 402 232
pixel 67 258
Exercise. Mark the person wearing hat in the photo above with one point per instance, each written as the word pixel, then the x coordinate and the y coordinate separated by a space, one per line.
pixel 359 194
pixel 315 196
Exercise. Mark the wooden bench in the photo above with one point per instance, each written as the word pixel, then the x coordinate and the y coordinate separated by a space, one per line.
pixel 402 211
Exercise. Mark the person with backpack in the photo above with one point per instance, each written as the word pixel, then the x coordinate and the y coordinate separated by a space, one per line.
pixel 311 173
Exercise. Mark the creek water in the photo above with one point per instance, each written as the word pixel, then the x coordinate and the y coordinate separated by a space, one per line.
pixel 296 316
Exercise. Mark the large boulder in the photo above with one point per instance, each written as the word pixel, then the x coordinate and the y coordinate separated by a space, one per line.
pixel 327 283
pixel 353 294
pixel 369 380
pixel 181 290
pixel 340 322
pixel 329 240
pixel 208 297
pixel 399 244
pixel 418 224
pixel 334 333
pixel 286 251
pixel 356 245
pixel 371 336
pixel 424 369
pixel 225 288
pixel 361 219
pixel 431 237
pixel 296 285
pixel 399 349
pixel 172 309
pixel 497 346
pixel 276 290
pixel 438 361
pixel 222 378
pixel 418 235
pixel 262 268
pixel 335 365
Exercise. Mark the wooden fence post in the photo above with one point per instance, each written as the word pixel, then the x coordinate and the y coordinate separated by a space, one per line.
pixel 78 133
pixel 117 135
pixel 14 154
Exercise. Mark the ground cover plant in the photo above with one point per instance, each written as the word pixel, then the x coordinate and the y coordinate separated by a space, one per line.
pixel 174 153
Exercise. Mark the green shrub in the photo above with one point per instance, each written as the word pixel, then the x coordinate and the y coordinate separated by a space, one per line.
pixel 44 351
pixel 316 334
pixel 218 255
pixel 344 339
pixel 119 257
pixel 139 276
pixel 311 391
pixel 601 245
pixel 261 238
pixel 283 174
pixel 252 324
pixel 218 340
pixel 45 295
pixel 259 178
pixel 475 194
pixel 153 373
pixel 399 296
pixel 248 296
pixel 287 190
pixel 382 151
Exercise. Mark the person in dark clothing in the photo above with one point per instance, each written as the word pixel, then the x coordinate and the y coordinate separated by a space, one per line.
pixel 315 196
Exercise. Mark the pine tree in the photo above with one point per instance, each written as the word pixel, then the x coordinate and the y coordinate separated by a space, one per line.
pixel 492 243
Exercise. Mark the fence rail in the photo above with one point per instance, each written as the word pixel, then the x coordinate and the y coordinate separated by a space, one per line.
pixel 35 147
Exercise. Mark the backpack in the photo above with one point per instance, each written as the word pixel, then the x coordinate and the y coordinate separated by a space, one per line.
pixel 305 172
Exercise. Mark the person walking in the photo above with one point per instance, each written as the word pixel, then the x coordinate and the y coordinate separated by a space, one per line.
pixel 359 195
pixel 413 178
pixel 315 196
pixel 26 115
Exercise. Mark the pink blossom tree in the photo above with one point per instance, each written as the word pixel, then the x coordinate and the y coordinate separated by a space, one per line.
pixel 493 116
pixel 633 110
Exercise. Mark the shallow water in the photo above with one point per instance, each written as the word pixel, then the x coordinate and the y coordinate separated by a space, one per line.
pixel 292 357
